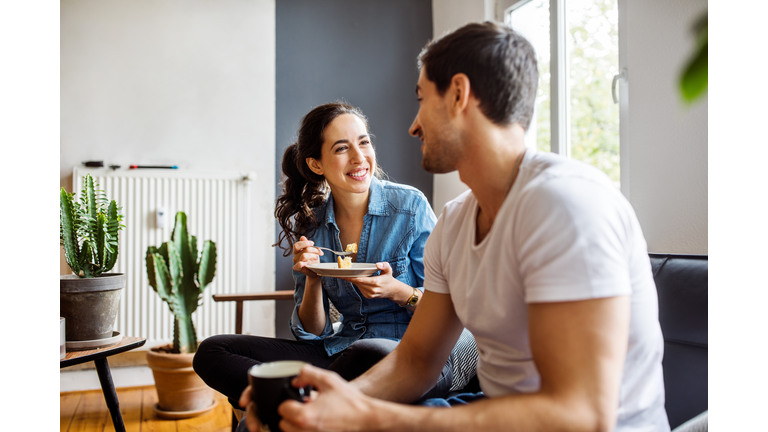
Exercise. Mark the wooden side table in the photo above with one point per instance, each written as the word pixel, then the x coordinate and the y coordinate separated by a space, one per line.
pixel 99 357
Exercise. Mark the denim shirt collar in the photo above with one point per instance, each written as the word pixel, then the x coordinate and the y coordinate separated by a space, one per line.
pixel 377 203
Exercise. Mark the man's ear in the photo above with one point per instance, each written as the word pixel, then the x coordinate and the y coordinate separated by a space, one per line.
pixel 458 93
pixel 314 165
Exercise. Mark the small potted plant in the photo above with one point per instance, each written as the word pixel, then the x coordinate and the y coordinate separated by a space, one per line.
pixel 90 298
pixel 179 275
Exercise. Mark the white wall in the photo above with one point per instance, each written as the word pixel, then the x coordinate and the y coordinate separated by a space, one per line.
pixel 666 140
pixel 448 15
pixel 187 83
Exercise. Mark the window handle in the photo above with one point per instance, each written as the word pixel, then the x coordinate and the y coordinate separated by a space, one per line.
pixel 616 78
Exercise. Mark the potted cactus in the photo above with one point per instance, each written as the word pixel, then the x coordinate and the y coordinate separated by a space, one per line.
pixel 179 275
pixel 88 232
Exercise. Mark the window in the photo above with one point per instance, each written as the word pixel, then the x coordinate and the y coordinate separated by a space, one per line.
pixel 576 113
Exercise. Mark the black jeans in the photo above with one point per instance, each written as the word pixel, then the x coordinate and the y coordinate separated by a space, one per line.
pixel 223 361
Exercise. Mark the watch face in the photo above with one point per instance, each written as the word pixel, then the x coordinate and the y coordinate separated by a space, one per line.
pixel 414 299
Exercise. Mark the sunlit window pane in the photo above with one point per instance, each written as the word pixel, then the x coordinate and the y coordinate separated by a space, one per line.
pixel 532 21
pixel 593 60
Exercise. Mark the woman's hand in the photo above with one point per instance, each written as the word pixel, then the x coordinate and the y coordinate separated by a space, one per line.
pixel 382 286
pixel 304 254
pixel 311 312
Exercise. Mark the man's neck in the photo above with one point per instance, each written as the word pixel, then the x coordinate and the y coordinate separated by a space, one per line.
pixel 490 169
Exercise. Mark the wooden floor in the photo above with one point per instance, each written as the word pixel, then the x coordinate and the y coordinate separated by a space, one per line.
pixel 87 412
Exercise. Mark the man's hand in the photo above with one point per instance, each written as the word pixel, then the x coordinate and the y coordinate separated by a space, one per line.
pixel 382 286
pixel 336 406
pixel 251 419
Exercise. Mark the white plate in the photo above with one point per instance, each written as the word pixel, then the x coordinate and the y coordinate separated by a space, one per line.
pixel 96 343
pixel 333 270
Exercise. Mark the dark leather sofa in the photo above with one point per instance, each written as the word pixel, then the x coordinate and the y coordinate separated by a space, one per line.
pixel 682 285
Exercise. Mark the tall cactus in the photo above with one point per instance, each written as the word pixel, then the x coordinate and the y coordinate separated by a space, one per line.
pixel 88 230
pixel 179 277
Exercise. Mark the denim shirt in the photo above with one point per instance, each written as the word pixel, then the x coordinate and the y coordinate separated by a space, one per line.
pixel 395 230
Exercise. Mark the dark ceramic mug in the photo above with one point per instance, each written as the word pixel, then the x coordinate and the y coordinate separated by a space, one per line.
pixel 271 385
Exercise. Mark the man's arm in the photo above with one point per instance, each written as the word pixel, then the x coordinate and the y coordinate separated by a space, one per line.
pixel 402 376
pixel 579 350
pixel 415 365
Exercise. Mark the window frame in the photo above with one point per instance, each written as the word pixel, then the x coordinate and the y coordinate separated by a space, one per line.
pixel 559 91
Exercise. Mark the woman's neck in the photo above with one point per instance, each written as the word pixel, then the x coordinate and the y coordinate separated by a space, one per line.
pixel 350 206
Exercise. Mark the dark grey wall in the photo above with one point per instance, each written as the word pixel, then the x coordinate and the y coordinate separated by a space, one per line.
pixel 362 51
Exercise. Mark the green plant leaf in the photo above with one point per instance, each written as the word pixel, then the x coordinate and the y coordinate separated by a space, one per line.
pixel 86 260
pixel 68 230
pixel 174 267
pixel 111 233
pixel 180 238
pixel 693 83
pixel 160 280
pixel 163 251
pixel 183 272
pixel 88 230
pixel 100 246
pixel 150 262
pixel 193 250
pixel 207 266
pixel 89 192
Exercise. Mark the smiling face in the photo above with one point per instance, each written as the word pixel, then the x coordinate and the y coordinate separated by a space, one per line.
pixel 440 147
pixel 347 159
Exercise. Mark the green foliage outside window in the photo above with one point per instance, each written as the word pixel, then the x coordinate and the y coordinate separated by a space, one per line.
pixel 594 58
pixel 594 61
pixel 543 114
pixel 593 53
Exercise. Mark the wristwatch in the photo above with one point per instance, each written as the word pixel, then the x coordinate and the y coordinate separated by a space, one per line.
pixel 414 298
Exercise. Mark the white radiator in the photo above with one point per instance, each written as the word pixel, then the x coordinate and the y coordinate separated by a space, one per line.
pixel 218 208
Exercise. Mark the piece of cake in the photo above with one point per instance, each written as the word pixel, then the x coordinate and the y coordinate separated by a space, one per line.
pixel 344 263
pixel 352 247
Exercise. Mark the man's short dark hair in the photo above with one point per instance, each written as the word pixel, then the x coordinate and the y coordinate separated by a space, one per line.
pixel 500 64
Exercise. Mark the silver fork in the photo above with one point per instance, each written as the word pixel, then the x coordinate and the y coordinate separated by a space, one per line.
pixel 333 251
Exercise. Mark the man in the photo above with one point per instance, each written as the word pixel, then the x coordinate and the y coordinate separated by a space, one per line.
pixel 543 260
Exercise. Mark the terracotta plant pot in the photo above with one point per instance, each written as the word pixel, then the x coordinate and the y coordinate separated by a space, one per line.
pixel 180 392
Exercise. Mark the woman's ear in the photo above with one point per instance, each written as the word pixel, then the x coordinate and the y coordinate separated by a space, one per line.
pixel 314 165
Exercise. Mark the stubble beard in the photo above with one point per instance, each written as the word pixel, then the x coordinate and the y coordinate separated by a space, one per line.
pixel 441 155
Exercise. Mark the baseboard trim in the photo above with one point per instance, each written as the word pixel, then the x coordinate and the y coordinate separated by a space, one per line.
pixel 81 380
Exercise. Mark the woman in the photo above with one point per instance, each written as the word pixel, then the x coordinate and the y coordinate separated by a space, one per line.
pixel 390 224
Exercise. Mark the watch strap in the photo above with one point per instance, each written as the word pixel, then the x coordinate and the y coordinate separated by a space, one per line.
pixel 414 298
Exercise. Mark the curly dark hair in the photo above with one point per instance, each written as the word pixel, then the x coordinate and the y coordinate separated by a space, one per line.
pixel 303 190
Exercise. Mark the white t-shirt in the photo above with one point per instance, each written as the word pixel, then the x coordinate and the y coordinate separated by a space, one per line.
pixel 563 233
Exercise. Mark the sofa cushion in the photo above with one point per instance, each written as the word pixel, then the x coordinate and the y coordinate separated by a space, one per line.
pixel 682 285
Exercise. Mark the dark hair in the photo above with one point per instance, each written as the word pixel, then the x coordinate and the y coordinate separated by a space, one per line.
pixel 501 66
pixel 303 190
